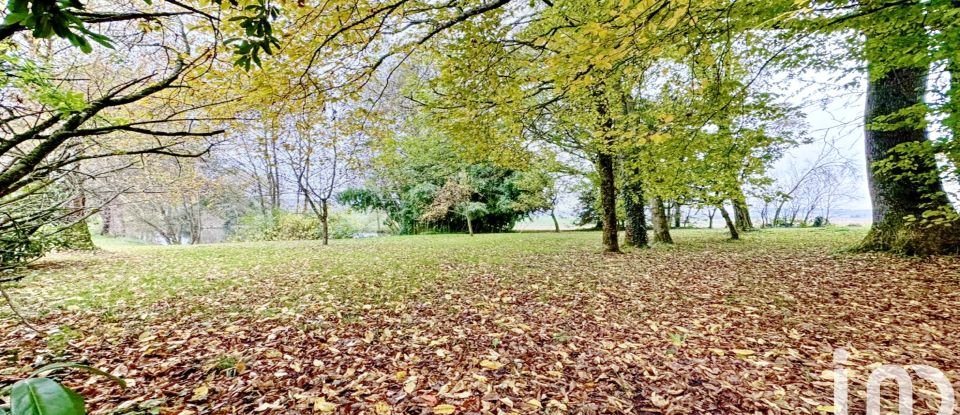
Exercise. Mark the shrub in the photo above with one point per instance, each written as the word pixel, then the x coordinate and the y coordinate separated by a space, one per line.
pixel 285 226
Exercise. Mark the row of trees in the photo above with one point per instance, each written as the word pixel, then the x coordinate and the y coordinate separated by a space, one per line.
pixel 653 100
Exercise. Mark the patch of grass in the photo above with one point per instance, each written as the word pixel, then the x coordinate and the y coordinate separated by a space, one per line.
pixel 59 341
pixel 268 277
pixel 373 314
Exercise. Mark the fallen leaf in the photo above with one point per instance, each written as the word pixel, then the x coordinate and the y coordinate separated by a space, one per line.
pixel 445 409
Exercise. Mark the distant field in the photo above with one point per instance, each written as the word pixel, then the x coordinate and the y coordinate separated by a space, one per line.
pixel 521 322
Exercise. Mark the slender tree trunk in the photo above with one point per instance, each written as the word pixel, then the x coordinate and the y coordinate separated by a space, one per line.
pixel 686 218
pixel 661 227
pixel 325 220
pixel 730 225
pixel 903 192
pixel 676 214
pixel 710 216
pixel 198 226
pixel 106 215
pixel 469 225
pixel 636 229
pixel 553 215
pixel 608 202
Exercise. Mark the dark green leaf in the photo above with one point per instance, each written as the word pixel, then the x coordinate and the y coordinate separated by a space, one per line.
pixel 42 396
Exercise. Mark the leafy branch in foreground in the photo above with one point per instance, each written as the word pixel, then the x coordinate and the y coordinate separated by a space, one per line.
pixel 41 395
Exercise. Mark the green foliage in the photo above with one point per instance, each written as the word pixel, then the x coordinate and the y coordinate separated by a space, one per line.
pixel 65 19
pixel 257 33
pixel 35 81
pixel 75 236
pixel 588 211
pixel 33 221
pixel 909 163
pixel 286 226
pixel 46 18
pixel 43 396
pixel 494 205
pixel 424 182
pixel 472 210
pixel 38 396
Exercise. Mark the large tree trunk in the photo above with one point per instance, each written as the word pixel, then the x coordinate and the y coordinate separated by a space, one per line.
pixel 605 169
pixel 636 229
pixel 741 212
pixel 661 227
pixel 908 191
pixel 608 202
pixel 730 225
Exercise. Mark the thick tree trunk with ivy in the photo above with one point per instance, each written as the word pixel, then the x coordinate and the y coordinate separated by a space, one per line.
pixel 608 201
pixel 661 225
pixel 605 169
pixel 903 193
pixel 636 229
pixel 734 234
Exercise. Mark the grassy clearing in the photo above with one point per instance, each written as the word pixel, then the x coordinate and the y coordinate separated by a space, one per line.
pixel 520 322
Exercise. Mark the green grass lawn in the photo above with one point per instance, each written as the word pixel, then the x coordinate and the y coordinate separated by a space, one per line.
pixel 520 322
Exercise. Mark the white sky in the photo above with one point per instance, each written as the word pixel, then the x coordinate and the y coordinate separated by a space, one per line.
pixel 834 113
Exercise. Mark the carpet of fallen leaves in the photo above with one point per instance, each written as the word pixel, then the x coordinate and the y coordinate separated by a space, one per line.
pixel 517 323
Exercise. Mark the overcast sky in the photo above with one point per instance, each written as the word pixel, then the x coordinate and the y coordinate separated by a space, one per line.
pixel 834 112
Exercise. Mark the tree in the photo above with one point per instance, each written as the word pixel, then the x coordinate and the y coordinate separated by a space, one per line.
pixel 455 196
pixel 320 155
pixel 56 115
pixel 661 226
pixel 734 234
pixel 902 41
pixel 911 212
pixel 52 126
pixel 505 76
